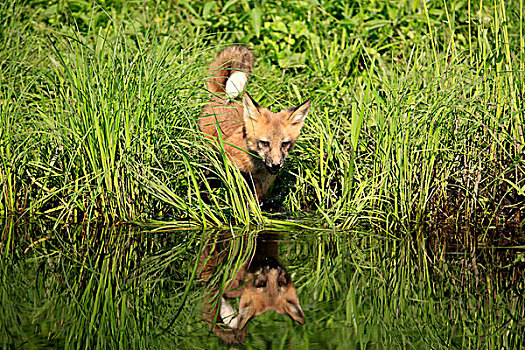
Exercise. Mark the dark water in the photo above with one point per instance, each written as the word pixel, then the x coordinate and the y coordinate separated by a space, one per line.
pixel 131 287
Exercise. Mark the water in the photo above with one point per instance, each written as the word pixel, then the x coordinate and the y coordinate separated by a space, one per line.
pixel 131 287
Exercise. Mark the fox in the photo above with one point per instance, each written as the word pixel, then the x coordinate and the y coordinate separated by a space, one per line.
pixel 255 138
pixel 261 284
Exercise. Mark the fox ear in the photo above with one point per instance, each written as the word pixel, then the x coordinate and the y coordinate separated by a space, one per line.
pixel 246 313
pixel 293 309
pixel 251 108
pixel 299 113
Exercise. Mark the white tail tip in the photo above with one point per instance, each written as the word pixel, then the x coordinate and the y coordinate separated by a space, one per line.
pixel 228 314
pixel 235 84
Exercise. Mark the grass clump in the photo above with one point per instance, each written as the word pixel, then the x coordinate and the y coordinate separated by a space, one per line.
pixel 418 110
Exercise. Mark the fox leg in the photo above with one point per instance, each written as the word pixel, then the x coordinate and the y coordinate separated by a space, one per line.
pixel 265 182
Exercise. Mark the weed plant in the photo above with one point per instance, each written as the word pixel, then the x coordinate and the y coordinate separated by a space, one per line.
pixel 417 115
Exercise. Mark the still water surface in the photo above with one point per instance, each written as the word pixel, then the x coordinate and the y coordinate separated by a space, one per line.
pixel 132 287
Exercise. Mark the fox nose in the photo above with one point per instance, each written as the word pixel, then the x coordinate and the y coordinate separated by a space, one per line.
pixel 273 168
pixel 271 262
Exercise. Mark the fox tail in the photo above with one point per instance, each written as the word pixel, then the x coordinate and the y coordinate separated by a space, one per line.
pixel 229 72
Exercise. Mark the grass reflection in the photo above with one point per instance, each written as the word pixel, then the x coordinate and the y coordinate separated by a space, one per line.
pixel 89 287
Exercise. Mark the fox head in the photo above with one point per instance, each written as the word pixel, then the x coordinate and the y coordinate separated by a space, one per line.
pixel 270 287
pixel 272 135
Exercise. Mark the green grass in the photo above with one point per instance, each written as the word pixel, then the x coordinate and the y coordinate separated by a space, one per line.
pixel 124 287
pixel 394 197
pixel 417 114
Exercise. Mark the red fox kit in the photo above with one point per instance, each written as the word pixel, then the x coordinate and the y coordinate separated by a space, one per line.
pixel 255 138
pixel 261 284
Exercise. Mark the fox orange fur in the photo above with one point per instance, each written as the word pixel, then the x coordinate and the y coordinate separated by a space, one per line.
pixel 256 139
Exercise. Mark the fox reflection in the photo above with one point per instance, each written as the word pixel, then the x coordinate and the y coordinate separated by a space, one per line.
pixel 261 283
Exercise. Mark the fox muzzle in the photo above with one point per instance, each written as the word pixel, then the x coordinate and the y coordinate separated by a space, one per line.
pixel 273 168
pixel 273 163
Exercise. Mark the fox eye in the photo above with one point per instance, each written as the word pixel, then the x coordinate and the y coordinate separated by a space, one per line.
pixel 263 144
pixel 260 283
pixel 285 144
pixel 281 283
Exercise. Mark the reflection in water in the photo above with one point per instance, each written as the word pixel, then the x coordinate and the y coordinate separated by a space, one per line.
pixel 123 287
pixel 256 277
